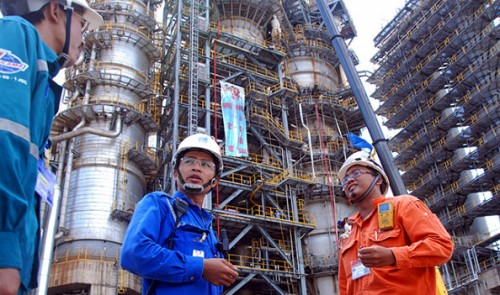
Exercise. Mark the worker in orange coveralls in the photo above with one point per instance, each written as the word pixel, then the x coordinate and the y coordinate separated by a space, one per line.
pixel 395 242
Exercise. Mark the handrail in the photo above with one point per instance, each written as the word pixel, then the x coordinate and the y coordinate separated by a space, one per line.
pixel 410 97
pixel 86 254
pixel 440 144
pixel 252 262
pixel 272 213
pixel 245 65
pixel 450 189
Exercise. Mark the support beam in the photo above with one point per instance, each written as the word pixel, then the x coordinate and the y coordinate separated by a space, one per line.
pixel 240 236
pixel 230 198
pixel 273 243
pixel 234 170
pixel 264 143
pixel 240 284
pixel 272 284
pixel 276 205
pixel 232 76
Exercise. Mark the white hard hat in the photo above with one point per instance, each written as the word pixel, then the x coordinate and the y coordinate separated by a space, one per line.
pixel 201 142
pixel 363 159
pixel 22 7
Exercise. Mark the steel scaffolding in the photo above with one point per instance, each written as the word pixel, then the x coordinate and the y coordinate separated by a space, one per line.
pixel 438 80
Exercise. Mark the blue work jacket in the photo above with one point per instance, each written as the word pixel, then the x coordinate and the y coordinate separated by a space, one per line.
pixel 28 101
pixel 145 248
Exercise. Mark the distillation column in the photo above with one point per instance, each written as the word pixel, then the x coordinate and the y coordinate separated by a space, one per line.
pixel 270 264
pixel 111 113
pixel 327 110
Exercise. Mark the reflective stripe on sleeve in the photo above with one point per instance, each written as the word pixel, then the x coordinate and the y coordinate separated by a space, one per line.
pixel 20 131
pixel 42 65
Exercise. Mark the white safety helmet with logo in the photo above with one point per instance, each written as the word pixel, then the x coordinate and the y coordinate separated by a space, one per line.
pixel 201 142
pixel 24 7
pixel 363 159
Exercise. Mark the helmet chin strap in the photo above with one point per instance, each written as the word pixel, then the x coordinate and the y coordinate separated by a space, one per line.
pixel 63 58
pixel 367 192
pixel 194 188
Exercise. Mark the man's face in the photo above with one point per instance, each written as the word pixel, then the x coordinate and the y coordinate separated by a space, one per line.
pixel 78 26
pixel 196 167
pixel 357 181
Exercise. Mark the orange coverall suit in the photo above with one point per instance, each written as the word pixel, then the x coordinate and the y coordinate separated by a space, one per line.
pixel 418 240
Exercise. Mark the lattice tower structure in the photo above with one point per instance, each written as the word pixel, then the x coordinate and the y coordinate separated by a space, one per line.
pixel 438 79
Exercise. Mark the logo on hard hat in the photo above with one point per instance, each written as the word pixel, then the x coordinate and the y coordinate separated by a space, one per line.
pixel 203 139
pixel 10 63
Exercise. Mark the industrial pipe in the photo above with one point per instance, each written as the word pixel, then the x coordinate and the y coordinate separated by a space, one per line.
pixel 308 138
pixel 85 130
pixel 379 141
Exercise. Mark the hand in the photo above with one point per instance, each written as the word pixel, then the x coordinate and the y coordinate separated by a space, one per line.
pixel 376 256
pixel 9 281
pixel 218 272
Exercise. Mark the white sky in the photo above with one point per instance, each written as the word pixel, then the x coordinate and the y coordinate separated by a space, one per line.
pixel 369 17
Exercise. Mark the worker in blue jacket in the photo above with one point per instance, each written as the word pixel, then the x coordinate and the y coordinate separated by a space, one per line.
pixel 170 242
pixel 37 39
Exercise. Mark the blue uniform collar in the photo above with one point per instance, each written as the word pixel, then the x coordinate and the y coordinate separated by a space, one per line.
pixel 50 55
pixel 54 66
pixel 206 216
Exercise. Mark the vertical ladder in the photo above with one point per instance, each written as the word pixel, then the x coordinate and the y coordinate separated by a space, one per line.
pixel 193 67
pixel 122 188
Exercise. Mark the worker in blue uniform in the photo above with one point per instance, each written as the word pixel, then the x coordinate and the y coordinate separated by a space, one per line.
pixel 37 39
pixel 170 242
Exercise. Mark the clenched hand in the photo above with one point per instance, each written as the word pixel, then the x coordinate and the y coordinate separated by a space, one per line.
pixel 376 256
pixel 219 272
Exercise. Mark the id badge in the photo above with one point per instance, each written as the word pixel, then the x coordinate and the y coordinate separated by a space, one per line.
pixel 359 270
pixel 198 253
pixel 45 182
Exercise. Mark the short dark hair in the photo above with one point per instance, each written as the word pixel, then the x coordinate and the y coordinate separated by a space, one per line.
pixel 36 17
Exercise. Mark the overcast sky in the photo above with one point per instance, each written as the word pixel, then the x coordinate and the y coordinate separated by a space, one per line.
pixel 369 17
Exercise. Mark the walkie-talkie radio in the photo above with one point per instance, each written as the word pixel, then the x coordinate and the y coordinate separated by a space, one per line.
pixel 385 216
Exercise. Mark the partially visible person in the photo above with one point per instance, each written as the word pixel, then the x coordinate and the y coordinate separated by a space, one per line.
pixel 394 243
pixel 170 242
pixel 37 39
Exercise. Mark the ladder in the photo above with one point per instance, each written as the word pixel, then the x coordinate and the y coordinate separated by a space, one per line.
pixel 193 67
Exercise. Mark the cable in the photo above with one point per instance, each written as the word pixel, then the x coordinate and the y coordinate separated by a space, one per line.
pixel 330 187
pixel 215 119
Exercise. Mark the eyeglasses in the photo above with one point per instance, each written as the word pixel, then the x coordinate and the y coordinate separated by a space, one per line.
pixel 84 23
pixel 205 164
pixel 353 175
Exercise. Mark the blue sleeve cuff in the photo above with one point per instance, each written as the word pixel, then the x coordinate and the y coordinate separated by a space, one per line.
pixel 194 269
pixel 10 251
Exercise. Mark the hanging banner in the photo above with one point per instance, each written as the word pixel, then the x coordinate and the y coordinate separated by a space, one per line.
pixel 233 114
